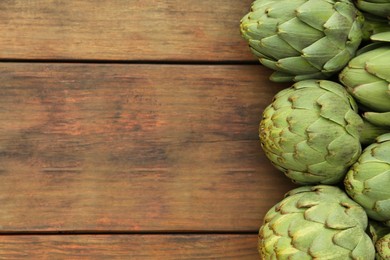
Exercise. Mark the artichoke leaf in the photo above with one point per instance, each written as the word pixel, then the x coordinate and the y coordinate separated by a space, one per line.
pixel 296 65
pixel 278 76
pixel 314 14
pixel 383 138
pixel 276 48
pixel 298 34
pixel 380 65
pixel 373 95
pixel 283 10
pixel 336 28
pixel 380 119
pixel 377 8
pixel 320 52
pixel 382 37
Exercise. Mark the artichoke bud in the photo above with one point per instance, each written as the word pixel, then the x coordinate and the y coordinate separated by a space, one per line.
pixel 315 222
pixel 368 180
pixel 303 39
pixel 380 236
pixel 382 247
pixel 311 132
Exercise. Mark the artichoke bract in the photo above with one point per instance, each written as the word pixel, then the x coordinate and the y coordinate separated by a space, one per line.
pixel 376 7
pixel 311 132
pixel 303 39
pixel 368 180
pixel 315 222
pixel 367 79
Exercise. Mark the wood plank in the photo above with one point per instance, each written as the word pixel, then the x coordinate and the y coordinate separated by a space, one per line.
pixel 123 30
pixel 134 147
pixel 135 247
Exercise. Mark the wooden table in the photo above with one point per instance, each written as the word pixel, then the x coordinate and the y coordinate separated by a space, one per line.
pixel 129 130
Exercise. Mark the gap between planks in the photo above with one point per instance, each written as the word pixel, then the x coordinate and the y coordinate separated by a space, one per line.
pixel 143 62
pixel 156 233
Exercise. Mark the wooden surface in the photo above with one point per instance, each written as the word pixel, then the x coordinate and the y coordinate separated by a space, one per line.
pixel 120 247
pixel 150 153
pixel 123 29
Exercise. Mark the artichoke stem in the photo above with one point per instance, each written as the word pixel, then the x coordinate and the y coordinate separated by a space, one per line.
pixel 370 132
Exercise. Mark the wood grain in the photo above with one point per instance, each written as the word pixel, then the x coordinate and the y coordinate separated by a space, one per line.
pixel 135 247
pixel 134 147
pixel 183 30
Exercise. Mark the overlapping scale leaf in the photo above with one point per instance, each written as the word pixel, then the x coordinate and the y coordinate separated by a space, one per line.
pixel 303 39
pixel 311 132
pixel 368 180
pixel 315 222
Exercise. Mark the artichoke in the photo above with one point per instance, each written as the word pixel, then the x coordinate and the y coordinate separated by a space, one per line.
pixel 368 180
pixel 315 222
pixel 303 39
pixel 311 132
pixel 380 236
pixel 382 247
pixel 376 7
pixel 367 79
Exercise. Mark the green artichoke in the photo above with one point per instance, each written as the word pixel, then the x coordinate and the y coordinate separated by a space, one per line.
pixel 368 180
pixel 311 132
pixel 376 7
pixel 367 79
pixel 382 247
pixel 315 222
pixel 303 39
pixel 380 236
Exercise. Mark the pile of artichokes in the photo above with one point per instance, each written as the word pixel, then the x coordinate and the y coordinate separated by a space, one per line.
pixel 330 131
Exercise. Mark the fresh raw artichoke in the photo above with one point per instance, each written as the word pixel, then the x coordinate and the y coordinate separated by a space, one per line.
pixel 368 180
pixel 303 39
pixel 367 79
pixel 376 7
pixel 311 132
pixel 315 222
pixel 380 236
pixel 382 247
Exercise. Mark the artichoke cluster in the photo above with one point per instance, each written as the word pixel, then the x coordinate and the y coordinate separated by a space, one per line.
pixel 330 130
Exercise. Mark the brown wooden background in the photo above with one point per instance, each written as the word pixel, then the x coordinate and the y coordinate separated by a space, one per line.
pixel 128 130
